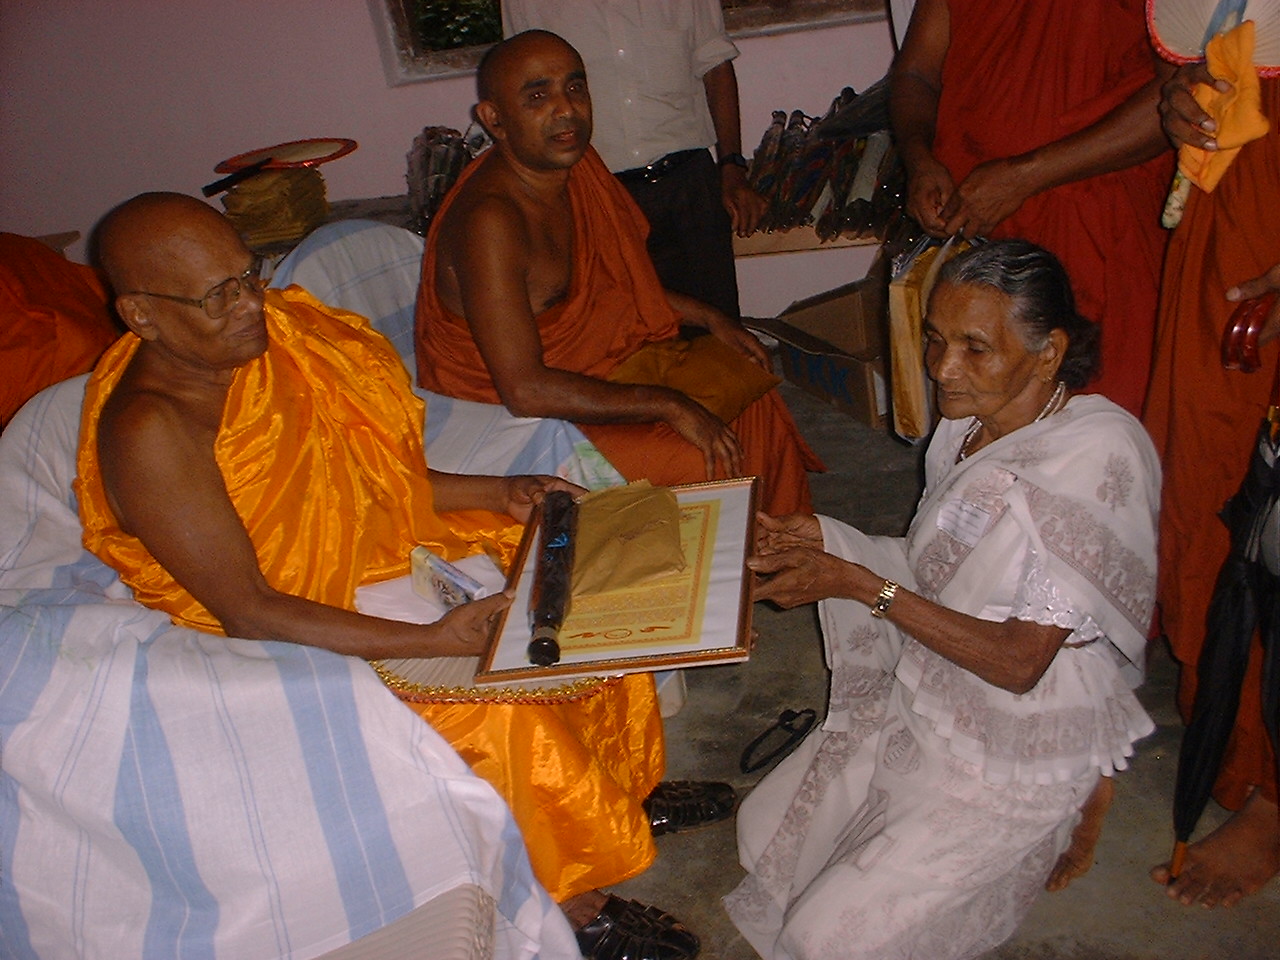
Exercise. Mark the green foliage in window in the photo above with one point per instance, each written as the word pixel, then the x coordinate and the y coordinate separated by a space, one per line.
pixel 450 24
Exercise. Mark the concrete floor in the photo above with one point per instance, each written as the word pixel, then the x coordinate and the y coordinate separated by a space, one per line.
pixel 1114 912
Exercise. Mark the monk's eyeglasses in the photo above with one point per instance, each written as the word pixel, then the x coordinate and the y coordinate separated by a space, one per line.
pixel 219 299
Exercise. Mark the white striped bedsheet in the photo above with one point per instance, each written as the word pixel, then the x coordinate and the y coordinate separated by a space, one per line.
pixel 166 793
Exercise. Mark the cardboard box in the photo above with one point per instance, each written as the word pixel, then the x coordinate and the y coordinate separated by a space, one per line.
pixel 850 383
pixel 852 318
pixel 832 346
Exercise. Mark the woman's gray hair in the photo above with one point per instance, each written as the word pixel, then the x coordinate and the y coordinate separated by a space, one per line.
pixel 1034 279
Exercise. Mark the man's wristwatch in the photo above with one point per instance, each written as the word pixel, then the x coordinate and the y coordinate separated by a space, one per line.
pixel 737 159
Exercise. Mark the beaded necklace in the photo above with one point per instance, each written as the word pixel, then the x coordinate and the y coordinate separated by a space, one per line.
pixel 1048 409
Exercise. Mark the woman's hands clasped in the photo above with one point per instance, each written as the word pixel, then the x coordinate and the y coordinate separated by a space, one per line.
pixel 790 565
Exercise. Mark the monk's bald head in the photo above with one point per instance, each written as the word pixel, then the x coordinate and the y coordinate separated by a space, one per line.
pixel 534 101
pixel 504 58
pixel 146 240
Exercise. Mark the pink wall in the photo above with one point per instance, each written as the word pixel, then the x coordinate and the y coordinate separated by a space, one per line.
pixel 105 100
pixel 803 71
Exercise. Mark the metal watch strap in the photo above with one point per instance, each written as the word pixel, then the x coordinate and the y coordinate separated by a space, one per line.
pixel 884 599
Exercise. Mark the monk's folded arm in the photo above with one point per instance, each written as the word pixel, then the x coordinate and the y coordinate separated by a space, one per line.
pixel 1126 136
pixel 723 327
pixel 491 266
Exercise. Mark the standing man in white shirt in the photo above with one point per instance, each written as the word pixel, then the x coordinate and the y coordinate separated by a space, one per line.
pixel 663 91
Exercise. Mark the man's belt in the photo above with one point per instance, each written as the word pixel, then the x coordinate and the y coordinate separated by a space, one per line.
pixel 659 168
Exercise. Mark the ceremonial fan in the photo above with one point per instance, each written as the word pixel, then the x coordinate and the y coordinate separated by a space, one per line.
pixel 1180 29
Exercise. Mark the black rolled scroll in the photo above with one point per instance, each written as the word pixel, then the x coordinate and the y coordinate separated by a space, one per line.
pixel 552 575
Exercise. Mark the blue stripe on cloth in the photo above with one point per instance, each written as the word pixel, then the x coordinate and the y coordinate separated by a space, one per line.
pixel 37 410
pixel 29 641
pixel 545 451
pixel 517 876
pixel 371 878
pixel 438 409
pixel 149 814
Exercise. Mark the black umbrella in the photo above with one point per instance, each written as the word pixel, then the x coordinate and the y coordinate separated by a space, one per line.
pixel 1246 599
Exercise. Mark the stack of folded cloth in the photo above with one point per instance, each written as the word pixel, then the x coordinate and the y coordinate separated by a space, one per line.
pixel 277 206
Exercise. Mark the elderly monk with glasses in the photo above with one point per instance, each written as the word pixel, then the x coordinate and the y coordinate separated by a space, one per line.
pixel 249 458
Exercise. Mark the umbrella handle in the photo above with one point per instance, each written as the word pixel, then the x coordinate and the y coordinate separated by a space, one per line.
pixel 1177 860
pixel 1240 336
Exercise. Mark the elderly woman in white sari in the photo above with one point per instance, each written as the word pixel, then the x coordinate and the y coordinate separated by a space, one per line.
pixel 981 666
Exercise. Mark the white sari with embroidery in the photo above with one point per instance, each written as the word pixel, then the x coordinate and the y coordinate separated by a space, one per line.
pixel 925 815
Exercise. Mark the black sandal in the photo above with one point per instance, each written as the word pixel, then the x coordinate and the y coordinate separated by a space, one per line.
pixel 794 723
pixel 630 930
pixel 678 805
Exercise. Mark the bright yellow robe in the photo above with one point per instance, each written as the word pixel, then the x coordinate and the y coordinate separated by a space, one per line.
pixel 321 450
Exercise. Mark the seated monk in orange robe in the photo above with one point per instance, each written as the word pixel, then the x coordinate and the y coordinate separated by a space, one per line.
pixel 537 287
pixel 247 461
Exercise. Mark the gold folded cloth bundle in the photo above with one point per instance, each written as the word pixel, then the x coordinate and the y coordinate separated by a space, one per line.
pixel 626 536
pixel 277 206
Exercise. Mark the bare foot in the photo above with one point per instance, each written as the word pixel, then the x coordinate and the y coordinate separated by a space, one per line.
pixel 583 908
pixel 1233 861
pixel 1078 857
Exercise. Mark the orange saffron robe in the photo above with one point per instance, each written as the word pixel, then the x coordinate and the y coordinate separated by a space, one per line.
pixel 321 450
pixel 1020 75
pixel 1204 419
pixel 56 320
pixel 615 305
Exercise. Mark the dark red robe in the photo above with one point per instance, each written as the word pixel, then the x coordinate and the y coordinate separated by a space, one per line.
pixel 1019 75
pixel 1204 419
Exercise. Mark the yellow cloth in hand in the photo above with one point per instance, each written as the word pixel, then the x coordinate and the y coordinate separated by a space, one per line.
pixel 1237 113
pixel 705 369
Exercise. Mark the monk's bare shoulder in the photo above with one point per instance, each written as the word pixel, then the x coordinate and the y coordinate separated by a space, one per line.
pixel 483 215
pixel 149 438
pixel 485 234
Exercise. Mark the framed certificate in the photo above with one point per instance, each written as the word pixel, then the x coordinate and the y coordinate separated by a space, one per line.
pixel 701 615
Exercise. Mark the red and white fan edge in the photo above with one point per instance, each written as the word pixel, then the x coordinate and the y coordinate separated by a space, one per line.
pixel 1177 30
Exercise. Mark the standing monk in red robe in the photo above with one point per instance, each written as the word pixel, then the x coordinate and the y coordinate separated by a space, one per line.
pixel 1038 120
pixel 1204 418
pixel 538 293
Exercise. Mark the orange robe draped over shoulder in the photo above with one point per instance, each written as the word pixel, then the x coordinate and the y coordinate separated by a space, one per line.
pixel 615 305
pixel 321 450
pixel 1204 419
pixel 1020 75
